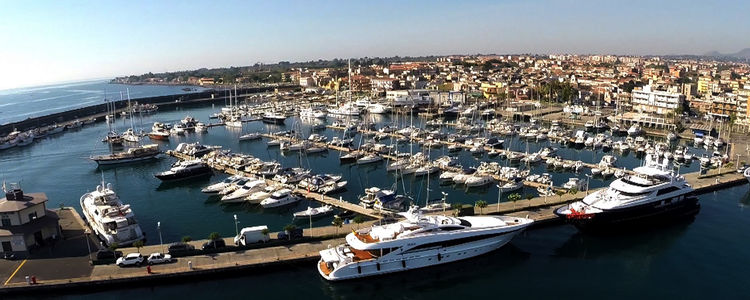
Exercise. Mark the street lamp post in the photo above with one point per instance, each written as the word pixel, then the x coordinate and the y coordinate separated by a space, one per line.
pixel 161 242
pixel 499 192
pixel 88 246
pixel 588 179
pixel 236 226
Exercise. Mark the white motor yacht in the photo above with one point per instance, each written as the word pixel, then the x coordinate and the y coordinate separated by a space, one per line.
pixel 219 186
pixel 419 241
pixel 279 198
pixel 110 219
pixel 240 194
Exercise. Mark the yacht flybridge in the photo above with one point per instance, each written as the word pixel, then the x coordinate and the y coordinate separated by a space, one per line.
pixel 653 193
pixel 419 241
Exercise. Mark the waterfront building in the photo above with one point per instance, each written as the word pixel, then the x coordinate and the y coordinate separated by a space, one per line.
pixel 25 222
pixel 652 101
pixel 206 81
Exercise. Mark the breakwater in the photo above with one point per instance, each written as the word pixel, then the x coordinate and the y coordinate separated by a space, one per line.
pixel 99 110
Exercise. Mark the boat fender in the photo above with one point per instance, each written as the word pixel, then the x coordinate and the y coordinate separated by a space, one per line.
pixel 359 269
pixel 439 257
pixel 403 264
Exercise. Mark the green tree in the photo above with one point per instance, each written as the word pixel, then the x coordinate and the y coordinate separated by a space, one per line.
pixel 288 229
pixel 265 233
pixel 456 209
pixel 138 244
pixel 573 191
pixel 113 246
pixel 560 193
pixel 338 222
pixel 359 219
pixel 214 236
pixel 513 198
pixel 186 239
pixel 481 204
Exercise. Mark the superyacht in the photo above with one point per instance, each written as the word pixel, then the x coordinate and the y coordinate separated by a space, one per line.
pixel 652 193
pixel 419 241
pixel 111 220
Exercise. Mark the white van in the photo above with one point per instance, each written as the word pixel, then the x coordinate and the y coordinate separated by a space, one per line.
pixel 250 235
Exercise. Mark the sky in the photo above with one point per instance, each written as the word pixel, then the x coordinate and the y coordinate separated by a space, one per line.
pixel 45 42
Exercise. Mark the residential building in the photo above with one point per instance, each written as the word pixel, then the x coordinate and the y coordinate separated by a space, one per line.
pixel 384 84
pixel 658 102
pixel 724 106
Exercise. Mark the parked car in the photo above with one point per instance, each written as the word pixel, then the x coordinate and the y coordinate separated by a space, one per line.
pixel 180 248
pixel 132 259
pixel 215 244
pixel 106 254
pixel 158 258
pixel 294 234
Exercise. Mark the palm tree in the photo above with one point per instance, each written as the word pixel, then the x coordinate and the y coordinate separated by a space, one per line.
pixel 213 236
pixel 573 191
pixel 514 197
pixel 456 207
pixel 359 219
pixel 113 246
pixel 337 222
pixel 265 233
pixel 186 239
pixel 138 244
pixel 560 193
pixel 288 229
pixel 481 204
pixel 528 198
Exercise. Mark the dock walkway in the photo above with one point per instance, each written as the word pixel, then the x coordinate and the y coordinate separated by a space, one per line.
pixel 307 194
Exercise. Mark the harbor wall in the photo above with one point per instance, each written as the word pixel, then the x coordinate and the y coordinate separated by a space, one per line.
pixel 100 110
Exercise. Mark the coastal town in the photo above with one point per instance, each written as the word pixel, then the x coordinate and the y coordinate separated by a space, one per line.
pixel 377 149
pixel 664 112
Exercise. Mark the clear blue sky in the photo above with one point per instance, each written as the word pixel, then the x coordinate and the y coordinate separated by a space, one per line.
pixel 53 41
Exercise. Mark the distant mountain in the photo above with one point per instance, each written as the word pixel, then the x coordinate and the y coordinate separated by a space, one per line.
pixel 744 53
pixel 712 53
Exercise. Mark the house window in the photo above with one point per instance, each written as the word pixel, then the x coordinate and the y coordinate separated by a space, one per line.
pixel 32 216
pixel 5 221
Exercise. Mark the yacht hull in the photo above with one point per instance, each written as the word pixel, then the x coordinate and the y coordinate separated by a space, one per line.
pixel 204 171
pixel 633 217
pixel 417 260
pixel 104 162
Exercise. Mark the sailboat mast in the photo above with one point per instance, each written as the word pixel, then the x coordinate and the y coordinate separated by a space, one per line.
pixel 130 109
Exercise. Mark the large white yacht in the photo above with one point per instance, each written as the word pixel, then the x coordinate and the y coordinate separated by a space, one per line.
pixel 111 220
pixel 653 193
pixel 419 241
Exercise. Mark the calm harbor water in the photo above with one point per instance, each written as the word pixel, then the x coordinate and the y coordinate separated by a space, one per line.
pixel 23 103
pixel 698 259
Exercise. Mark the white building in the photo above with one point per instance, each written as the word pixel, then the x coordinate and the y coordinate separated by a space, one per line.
pixel 653 101
pixel 25 221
